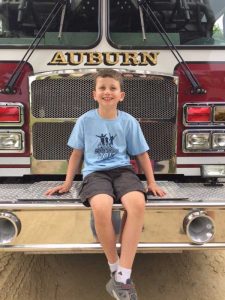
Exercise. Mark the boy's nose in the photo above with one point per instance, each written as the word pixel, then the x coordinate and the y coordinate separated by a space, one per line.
pixel 107 91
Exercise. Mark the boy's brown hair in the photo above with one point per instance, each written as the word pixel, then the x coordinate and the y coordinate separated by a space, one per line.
pixel 109 73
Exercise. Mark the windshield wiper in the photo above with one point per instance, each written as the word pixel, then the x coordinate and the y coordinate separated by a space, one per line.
pixel 196 87
pixel 9 88
pixel 62 20
pixel 142 23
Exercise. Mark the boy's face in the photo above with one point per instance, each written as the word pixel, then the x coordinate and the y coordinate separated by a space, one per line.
pixel 108 92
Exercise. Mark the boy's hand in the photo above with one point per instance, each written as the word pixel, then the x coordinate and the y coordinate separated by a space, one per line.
pixel 64 188
pixel 155 189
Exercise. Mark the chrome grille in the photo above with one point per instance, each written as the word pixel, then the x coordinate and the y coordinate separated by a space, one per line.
pixel 61 98
pixel 161 139
pixel 50 140
pixel 151 99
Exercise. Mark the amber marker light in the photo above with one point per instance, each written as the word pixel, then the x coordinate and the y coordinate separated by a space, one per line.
pixel 219 114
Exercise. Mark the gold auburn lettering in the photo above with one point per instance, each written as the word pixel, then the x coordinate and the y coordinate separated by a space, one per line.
pixel 107 58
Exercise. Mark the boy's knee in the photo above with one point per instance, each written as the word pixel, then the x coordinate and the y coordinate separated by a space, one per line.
pixel 139 206
pixel 136 206
pixel 102 208
pixel 102 217
pixel 100 211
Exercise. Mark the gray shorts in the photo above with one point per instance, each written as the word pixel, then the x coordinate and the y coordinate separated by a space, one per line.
pixel 115 183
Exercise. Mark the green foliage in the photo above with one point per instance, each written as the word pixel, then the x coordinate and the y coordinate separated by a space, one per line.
pixel 217 32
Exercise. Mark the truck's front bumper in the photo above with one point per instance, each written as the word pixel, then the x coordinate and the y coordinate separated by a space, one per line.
pixel 60 224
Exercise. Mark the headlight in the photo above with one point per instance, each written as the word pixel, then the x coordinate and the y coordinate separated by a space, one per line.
pixel 11 141
pixel 218 141
pixel 197 141
pixel 204 140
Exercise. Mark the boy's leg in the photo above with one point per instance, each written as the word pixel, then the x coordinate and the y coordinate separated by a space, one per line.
pixel 102 210
pixel 134 204
pixel 120 286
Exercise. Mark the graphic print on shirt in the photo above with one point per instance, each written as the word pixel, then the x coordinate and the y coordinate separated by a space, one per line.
pixel 105 148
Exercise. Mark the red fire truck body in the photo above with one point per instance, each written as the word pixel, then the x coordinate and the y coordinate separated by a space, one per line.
pixel 171 56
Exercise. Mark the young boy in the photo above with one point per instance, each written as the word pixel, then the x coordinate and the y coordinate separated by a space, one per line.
pixel 105 137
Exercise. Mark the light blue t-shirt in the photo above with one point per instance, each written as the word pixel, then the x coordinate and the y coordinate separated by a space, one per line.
pixel 107 144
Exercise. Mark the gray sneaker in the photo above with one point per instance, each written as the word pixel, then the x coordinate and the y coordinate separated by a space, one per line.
pixel 121 291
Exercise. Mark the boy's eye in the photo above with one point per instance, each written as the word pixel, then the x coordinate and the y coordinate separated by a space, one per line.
pixel 102 88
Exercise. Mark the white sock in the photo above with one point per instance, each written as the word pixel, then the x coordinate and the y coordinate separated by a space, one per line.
pixel 122 274
pixel 113 267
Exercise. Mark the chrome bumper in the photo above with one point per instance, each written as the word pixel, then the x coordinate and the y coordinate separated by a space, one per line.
pixel 61 224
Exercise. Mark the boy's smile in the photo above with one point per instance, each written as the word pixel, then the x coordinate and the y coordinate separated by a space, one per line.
pixel 108 93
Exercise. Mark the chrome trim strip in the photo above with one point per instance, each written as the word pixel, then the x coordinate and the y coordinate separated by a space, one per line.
pixel 22 150
pixel 10 172
pixel 154 205
pixel 183 160
pixel 14 160
pixel 210 131
pixel 203 124
pixel 171 204
pixel 97 247
pixel 80 72
pixel 188 171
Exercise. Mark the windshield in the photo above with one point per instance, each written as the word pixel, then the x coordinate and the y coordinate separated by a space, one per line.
pixel 187 22
pixel 20 20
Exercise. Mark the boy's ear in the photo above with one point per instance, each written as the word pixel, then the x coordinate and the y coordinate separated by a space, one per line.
pixel 122 96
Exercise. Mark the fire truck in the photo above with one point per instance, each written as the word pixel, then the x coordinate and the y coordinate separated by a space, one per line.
pixel 171 54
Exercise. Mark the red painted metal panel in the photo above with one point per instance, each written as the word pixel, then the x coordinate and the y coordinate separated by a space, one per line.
pixel 21 95
pixel 211 76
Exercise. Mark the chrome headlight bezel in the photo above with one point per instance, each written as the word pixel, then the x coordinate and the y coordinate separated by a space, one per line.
pixel 217 115
pixel 199 106
pixel 201 147
pixel 215 142
pixel 211 133
pixel 20 108
pixel 14 136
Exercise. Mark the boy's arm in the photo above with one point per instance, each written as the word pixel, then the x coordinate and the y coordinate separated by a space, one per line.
pixel 74 166
pixel 145 163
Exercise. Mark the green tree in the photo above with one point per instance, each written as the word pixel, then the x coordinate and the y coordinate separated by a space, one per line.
pixel 217 32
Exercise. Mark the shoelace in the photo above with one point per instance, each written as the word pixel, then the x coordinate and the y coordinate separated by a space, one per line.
pixel 128 287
